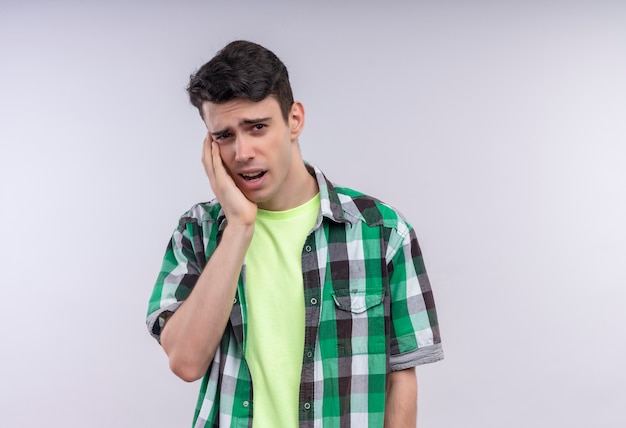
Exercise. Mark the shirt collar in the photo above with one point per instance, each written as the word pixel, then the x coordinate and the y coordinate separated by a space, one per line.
pixel 330 204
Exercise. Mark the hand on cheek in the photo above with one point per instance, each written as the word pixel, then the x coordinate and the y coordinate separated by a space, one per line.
pixel 238 209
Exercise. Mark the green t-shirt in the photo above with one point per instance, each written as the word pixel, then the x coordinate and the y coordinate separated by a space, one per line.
pixel 275 307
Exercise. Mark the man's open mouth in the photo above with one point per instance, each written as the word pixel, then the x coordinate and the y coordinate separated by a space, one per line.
pixel 253 177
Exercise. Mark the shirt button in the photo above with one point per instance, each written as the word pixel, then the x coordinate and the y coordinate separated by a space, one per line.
pixel 309 354
pixel 308 248
pixel 246 404
pixel 235 301
pixel 313 301
pixel 307 406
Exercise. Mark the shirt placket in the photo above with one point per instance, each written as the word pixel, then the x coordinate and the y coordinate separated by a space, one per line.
pixel 312 301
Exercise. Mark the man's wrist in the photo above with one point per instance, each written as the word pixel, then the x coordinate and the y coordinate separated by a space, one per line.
pixel 239 231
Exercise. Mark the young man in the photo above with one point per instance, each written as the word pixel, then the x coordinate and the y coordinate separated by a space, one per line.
pixel 299 303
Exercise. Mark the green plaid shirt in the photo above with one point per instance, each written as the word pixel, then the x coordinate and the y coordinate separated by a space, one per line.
pixel 369 310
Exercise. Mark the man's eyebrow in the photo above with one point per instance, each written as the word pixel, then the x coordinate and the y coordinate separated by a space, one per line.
pixel 220 132
pixel 243 122
pixel 254 121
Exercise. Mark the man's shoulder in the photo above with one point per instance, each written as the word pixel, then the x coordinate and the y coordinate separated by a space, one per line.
pixel 369 209
pixel 203 212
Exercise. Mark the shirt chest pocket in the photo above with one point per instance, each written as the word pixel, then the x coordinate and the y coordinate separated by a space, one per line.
pixel 359 319
pixel 357 300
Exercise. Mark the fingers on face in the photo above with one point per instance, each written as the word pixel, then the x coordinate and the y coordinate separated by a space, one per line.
pixel 206 146
pixel 208 156
pixel 217 158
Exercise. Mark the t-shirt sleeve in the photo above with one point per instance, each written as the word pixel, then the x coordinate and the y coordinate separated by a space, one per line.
pixel 183 261
pixel 415 337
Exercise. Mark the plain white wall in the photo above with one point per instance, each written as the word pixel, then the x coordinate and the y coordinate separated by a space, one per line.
pixel 497 128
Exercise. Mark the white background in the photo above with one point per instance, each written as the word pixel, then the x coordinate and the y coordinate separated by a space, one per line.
pixel 497 128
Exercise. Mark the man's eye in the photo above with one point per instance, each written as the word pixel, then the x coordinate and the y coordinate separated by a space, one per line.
pixel 258 126
pixel 224 136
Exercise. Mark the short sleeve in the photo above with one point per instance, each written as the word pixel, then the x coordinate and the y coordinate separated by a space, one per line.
pixel 415 337
pixel 182 264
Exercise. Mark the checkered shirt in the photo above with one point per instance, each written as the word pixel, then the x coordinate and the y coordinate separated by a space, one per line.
pixel 369 310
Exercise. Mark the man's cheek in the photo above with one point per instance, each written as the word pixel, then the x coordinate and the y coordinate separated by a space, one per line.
pixel 229 170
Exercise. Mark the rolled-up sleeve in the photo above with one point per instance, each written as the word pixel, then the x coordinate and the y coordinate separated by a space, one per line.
pixel 415 336
pixel 184 259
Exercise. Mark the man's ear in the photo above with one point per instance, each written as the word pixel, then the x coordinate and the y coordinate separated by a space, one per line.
pixel 296 120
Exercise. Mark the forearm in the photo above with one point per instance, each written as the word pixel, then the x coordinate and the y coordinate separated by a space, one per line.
pixel 192 334
pixel 401 401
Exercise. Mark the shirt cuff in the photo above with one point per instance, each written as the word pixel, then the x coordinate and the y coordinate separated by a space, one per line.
pixel 156 321
pixel 426 355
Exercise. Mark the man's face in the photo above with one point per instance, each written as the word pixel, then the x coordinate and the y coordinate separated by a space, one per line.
pixel 257 146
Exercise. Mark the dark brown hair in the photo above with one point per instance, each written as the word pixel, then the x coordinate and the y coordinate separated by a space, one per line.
pixel 242 69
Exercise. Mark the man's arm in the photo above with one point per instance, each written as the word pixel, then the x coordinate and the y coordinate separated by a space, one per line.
pixel 401 402
pixel 191 335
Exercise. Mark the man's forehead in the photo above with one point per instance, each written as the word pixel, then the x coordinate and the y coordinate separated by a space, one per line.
pixel 237 110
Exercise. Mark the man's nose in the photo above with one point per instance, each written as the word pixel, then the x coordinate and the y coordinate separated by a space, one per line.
pixel 244 148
